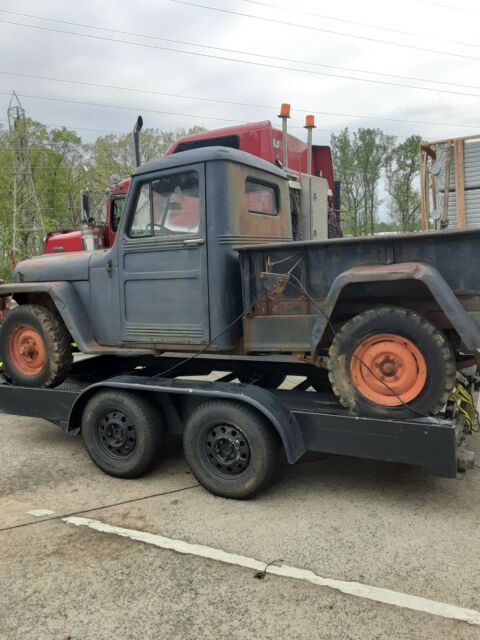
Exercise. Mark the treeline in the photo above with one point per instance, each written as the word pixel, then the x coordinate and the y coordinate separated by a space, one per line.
pixel 366 160
pixel 62 165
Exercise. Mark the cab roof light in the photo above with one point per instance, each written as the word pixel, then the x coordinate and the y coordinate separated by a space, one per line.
pixel 284 110
pixel 310 122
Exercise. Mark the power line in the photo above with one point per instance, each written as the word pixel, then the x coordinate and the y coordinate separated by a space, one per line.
pixel 357 23
pixel 449 6
pixel 236 51
pixel 236 103
pixel 143 109
pixel 59 126
pixel 330 31
pixel 248 62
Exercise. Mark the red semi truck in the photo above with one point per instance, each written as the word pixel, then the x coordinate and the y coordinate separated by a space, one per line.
pixel 258 138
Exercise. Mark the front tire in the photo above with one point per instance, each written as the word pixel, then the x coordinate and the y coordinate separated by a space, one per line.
pixel 231 449
pixel 35 346
pixel 122 433
pixel 391 362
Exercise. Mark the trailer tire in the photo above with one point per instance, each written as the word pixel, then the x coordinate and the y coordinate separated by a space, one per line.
pixel 122 432
pixel 391 362
pixel 231 449
pixel 35 346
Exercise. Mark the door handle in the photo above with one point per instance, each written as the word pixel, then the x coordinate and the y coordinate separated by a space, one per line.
pixel 193 242
pixel 108 268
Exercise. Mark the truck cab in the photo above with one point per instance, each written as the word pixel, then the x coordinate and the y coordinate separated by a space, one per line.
pixel 171 280
pixel 173 276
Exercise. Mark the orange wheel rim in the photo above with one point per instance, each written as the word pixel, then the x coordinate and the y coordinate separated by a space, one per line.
pixel 388 369
pixel 27 350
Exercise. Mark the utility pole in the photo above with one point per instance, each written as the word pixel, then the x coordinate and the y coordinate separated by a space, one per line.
pixel 28 228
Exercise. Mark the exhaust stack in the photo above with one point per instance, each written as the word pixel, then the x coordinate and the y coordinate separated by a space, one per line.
pixel 136 140
pixel 284 115
pixel 309 126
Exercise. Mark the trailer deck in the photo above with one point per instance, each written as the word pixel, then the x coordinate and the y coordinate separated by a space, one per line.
pixel 306 421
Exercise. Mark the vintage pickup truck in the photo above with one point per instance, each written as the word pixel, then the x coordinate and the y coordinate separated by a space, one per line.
pixel 204 261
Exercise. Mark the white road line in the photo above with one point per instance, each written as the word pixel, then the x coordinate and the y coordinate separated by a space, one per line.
pixel 386 596
pixel 39 513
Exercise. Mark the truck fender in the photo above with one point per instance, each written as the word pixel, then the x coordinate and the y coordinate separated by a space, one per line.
pixel 465 326
pixel 66 302
pixel 265 402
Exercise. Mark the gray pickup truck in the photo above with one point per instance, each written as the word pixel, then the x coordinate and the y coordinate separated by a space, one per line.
pixel 204 261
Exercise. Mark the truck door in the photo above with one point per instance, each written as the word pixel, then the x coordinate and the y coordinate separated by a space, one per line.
pixel 163 261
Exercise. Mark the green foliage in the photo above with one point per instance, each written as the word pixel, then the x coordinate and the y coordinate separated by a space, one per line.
pixel 359 159
pixel 402 173
pixel 62 166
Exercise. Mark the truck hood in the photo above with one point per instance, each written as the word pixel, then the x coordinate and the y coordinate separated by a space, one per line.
pixel 52 267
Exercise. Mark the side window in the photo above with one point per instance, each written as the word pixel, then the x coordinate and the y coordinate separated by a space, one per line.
pixel 142 224
pixel 176 204
pixel 117 211
pixel 261 197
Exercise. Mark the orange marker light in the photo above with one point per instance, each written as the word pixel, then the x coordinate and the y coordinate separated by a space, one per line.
pixel 284 111
pixel 310 122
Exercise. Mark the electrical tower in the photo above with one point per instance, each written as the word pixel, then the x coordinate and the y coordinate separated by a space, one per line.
pixel 28 228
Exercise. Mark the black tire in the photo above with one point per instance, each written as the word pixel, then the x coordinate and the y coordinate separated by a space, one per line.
pixel 231 449
pixel 433 387
pixel 26 331
pixel 122 432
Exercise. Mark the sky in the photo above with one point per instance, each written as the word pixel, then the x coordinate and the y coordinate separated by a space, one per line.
pixel 232 61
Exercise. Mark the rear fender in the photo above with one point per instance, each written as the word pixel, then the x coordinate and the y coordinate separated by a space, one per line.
pixel 462 322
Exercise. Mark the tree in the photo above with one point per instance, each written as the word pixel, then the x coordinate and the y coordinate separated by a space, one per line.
pixel 402 184
pixel 372 149
pixel 359 160
pixel 346 171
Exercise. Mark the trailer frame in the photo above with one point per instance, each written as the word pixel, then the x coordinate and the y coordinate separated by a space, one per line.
pixel 304 421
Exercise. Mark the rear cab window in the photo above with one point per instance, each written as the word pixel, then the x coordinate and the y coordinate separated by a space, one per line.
pixel 261 197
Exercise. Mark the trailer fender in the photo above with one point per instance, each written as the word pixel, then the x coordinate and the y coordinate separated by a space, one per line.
pixel 465 326
pixel 265 402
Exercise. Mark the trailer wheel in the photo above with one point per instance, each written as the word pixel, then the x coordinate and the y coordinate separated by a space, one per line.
pixel 35 346
pixel 231 449
pixel 391 362
pixel 122 432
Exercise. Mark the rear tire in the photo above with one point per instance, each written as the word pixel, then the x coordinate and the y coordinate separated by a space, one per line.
pixel 231 449
pixel 387 350
pixel 35 347
pixel 122 433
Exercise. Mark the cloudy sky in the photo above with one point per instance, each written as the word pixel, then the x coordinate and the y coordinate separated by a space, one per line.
pixel 94 66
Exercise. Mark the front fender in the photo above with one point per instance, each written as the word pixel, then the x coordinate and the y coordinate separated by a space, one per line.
pixel 465 326
pixel 68 305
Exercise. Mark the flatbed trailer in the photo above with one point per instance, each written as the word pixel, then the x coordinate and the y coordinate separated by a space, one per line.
pixel 232 431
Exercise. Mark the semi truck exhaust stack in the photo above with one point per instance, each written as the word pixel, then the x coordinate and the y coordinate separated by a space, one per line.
pixel 284 115
pixel 309 126
pixel 136 140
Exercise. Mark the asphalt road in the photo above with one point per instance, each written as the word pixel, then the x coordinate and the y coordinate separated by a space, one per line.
pixel 380 524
